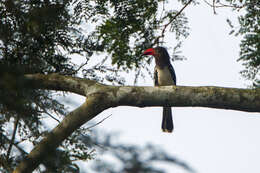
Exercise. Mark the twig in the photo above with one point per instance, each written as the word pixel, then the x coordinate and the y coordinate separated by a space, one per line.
pixel 214 7
pixel 221 5
pixel 15 144
pixel 82 65
pixel 137 75
pixel 166 25
pixel 98 122
pixel 162 10
pixel 46 112
pixel 77 70
pixel 4 161
pixel 13 137
pixel 232 6
pixel 52 116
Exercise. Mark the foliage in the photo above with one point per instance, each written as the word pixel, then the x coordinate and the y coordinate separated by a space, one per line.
pixel 47 36
pixel 250 43
pixel 125 28
pixel 30 34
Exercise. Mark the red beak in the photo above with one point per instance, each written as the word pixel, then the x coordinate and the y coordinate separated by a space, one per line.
pixel 149 51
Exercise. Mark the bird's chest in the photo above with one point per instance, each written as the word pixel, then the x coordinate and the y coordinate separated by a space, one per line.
pixel 164 76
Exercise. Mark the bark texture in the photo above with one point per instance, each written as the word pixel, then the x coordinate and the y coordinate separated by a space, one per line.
pixel 100 97
pixel 177 96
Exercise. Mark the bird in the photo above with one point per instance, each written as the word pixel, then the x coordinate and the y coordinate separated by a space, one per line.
pixel 164 75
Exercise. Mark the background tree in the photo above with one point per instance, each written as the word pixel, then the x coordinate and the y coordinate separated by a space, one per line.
pixel 129 158
pixel 43 37
pixel 250 44
pixel 249 29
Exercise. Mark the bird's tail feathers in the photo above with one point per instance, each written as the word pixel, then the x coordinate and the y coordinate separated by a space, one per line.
pixel 167 123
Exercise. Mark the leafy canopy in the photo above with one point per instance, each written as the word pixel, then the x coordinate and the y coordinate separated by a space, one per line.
pixel 46 36
pixel 249 29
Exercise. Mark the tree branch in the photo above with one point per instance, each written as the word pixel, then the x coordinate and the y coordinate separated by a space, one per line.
pixel 167 24
pixel 13 137
pixel 101 121
pixel 100 97
pixel 177 96
pixel 57 82
pixel 15 144
pixel 70 123
pixel 218 4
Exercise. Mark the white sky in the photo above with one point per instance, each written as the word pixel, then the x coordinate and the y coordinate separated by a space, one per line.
pixel 209 140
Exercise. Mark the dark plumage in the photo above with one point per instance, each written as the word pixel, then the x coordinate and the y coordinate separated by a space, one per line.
pixel 164 75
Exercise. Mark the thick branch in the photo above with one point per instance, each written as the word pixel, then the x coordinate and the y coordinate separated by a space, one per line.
pixel 182 96
pixel 59 83
pixel 70 123
pixel 178 96
pixel 100 97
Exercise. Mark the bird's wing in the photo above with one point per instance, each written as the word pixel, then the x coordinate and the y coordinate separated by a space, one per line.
pixel 155 77
pixel 171 69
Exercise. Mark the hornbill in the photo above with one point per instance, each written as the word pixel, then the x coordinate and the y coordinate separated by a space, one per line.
pixel 164 75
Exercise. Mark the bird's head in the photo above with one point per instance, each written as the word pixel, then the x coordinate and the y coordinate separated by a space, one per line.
pixel 160 53
pixel 150 51
pixel 157 51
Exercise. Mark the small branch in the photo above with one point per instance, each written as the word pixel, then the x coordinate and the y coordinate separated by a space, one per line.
pixel 82 65
pixel 13 138
pixel 77 70
pixel 15 144
pixel 4 160
pixel 166 25
pixel 176 15
pixel 52 116
pixel 90 127
pixel 162 10
pixel 137 75
pixel 221 5
pixel 214 7
pixel 46 112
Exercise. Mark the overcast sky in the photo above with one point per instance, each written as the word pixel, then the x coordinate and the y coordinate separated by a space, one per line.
pixel 209 140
